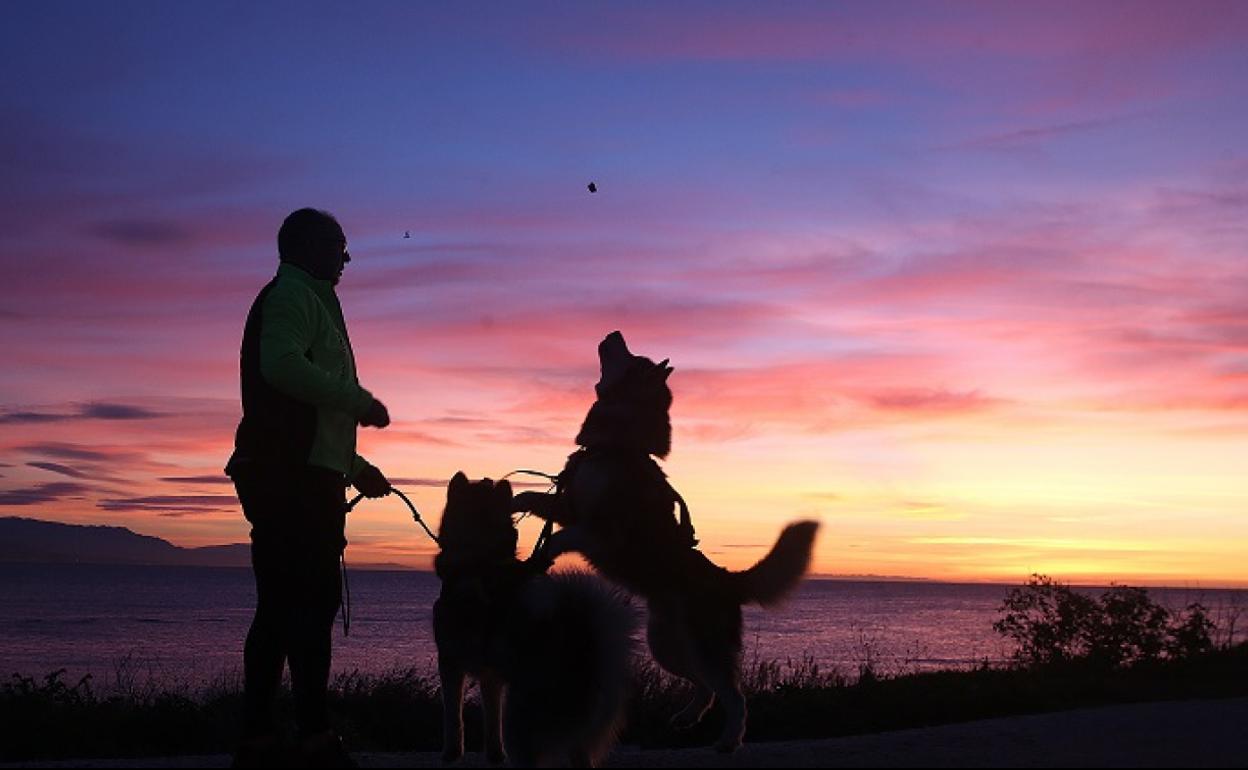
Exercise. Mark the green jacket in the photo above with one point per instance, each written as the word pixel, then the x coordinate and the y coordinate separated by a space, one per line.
pixel 301 396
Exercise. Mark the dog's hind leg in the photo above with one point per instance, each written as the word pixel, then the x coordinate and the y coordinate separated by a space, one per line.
pixel 690 715
pixel 728 691
pixel 492 708
pixel 672 649
pixel 453 679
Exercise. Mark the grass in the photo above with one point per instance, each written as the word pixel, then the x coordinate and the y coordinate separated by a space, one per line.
pixel 132 715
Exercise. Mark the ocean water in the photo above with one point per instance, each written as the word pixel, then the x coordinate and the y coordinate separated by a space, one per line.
pixel 187 624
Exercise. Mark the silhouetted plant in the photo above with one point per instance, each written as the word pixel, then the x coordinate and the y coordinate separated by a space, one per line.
pixel 1053 624
pixel 1048 620
pixel 1127 628
pixel 1192 634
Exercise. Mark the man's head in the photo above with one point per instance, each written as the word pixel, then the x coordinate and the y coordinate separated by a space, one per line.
pixel 313 240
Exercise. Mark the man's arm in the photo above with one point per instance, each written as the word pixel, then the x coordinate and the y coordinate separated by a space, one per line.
pixel 284 339
pixel 544 505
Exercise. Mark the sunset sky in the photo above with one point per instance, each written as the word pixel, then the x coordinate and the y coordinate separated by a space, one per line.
pixel 966 282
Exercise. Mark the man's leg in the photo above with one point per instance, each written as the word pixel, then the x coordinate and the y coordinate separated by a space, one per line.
pixel 317 598
pixel 264 652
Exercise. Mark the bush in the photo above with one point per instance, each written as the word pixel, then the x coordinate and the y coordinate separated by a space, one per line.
pixel 1193 632
pixel 1048 621
pixel 1053 624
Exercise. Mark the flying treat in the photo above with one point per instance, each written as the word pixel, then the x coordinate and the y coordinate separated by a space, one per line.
pixel 593 188
pixel 407 233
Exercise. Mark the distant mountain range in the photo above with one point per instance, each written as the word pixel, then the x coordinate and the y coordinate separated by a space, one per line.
pixel 33 540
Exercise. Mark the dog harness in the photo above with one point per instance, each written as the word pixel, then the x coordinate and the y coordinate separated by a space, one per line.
pixel 649 467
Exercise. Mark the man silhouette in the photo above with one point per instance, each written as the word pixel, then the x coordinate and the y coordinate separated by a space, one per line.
pixel 294 455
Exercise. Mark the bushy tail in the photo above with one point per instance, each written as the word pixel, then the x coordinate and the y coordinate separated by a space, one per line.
pixel 569 689
pixel 771 580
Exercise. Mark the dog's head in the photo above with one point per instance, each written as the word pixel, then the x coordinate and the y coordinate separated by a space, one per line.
pixel 634 401
pixel 477 523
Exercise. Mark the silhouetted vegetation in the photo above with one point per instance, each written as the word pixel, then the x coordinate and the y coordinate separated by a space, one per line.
pixel 1074 650
pixel 1054 624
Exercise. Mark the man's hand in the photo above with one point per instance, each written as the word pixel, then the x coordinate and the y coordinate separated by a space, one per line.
pixel 371 482
pixel 544 505
pixel 377 416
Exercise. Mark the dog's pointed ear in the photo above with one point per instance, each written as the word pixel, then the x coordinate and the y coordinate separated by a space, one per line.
pixel 502 490
pixel 459 482
pixel 662 370
pixel 667 371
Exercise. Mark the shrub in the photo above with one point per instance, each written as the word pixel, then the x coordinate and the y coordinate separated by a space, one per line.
pixel 1127 628
pixel 1053 624
pixel 1192 634
pixel 1048 620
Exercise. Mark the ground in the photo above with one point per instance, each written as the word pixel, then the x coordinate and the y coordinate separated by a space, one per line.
pixel 1205 733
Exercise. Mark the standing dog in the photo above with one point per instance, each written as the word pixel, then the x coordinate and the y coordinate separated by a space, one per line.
pixel 551 652
pixel 615 507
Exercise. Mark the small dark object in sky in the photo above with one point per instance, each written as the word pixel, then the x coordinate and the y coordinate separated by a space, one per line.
pixel 593 188
pixel 407 233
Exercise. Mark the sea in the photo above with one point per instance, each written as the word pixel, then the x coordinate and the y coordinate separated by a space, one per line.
pixel 185 626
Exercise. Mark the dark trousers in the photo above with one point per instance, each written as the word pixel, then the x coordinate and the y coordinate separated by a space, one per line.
pixel 297 537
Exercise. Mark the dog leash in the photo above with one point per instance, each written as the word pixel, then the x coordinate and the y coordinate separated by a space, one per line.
pixel 549 527
pixel 346 583
pixel 415 513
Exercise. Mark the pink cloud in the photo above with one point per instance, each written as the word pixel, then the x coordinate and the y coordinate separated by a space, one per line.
pixel 931 401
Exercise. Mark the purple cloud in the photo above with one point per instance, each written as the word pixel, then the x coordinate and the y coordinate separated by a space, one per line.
pixel 179 503
pixel 90 411
pixel 106 411
pixel 219 479
pixel 69 452
pixel 30 418
pixel 141 232
pixel 64 470
pixel 42 493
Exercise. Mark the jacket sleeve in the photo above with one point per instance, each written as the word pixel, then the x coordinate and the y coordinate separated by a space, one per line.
pixel 357 464
pixel 287 332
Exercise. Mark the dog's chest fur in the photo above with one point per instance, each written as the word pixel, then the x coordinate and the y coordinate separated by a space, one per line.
pixel 625 505
pixel 471 613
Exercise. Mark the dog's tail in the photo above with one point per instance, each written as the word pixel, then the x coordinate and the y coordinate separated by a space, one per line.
pixel 771 580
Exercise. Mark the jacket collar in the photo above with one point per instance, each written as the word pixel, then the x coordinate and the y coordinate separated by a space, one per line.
pixel 323 288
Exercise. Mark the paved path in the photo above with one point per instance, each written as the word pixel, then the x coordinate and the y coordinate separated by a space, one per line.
pixel 1207 733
